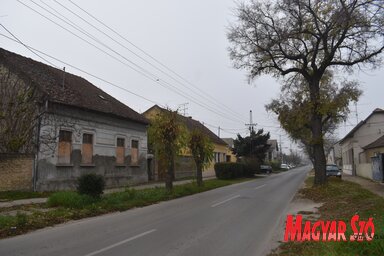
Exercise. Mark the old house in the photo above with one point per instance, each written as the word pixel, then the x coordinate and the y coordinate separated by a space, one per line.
pixel 272 154
pixel 77 128
pixel 334 155
pixel 184 165
pixel 355 160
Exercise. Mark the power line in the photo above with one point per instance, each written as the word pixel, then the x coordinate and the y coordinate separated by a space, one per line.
pixel 145 53
pixel 39 53
pixel 31 50
pixel 200 93
pixel 81 70
pixel 138 69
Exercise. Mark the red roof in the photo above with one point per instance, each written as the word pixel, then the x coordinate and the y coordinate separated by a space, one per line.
pixel 76 91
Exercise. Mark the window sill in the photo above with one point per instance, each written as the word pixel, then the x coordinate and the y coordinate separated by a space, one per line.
pixel 120 165
pixel 64 165
pixel 87 165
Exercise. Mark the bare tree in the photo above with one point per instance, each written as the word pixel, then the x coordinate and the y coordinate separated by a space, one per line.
pixel 23 116
pixel 18 114
pixel 305 38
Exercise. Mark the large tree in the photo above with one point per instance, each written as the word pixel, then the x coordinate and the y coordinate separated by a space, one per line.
pixel 167 137
pixel 294 109
pixel 305 39
pixel 202 151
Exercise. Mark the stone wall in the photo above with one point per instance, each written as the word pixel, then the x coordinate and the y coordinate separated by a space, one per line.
pixel 16 172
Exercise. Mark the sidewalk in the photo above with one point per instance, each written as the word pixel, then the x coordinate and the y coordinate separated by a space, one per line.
pixel 106 191
pixel 373 186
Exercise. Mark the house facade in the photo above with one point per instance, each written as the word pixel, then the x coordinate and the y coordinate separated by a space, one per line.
pixel 355 160
pixel 79 129
pixel 184 163
pixel 273 153
pixel 334 155
pixel 230 157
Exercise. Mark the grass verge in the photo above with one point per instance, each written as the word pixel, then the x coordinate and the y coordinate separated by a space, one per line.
pixel 341 200
pixel 17 195
pixel 72 206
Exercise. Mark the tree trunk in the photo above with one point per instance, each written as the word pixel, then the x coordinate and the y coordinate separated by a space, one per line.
pixel 199 175
pixel 317 135
pixel 318 151
pixel 169 176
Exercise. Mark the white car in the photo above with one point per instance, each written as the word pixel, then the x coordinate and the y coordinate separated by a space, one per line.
pixel 284 166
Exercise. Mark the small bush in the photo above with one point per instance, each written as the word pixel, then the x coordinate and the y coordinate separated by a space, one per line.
pixel 91 184
pixel 70 199
pixel 229 170
pixel 21 219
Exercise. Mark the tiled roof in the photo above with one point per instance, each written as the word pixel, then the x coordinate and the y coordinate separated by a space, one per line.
pixel 361 123
pixel 74 91
pixel 193 124
pixel 376 144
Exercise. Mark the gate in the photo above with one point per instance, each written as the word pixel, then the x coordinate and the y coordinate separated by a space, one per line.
pixel 377 167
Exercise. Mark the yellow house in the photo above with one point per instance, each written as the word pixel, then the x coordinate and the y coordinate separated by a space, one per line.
pixel 230 144
pixel 184 165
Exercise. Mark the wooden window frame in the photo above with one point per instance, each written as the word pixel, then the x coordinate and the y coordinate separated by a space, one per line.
pixel 120 151
pixel 135 152
pixel 86 147
pixel 64 148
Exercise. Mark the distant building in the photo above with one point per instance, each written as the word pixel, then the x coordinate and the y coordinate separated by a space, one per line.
pixel 334 155
pixel 185 166
pixel 273 153
pixel 230 157
pixel 79 129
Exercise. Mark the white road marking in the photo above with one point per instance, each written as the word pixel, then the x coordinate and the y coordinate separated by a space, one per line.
pixel 259 186
pixel 223 202
pixel 120 243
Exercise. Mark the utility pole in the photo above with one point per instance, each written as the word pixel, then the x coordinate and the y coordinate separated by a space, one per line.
pixel 183 108
pixel 357 114
pixel 218 134
pixel 251 124
pixel 281 150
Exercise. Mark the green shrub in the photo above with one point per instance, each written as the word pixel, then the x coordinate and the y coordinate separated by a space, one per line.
pixel 21 219
pixel 249 170
pixel 275 165
pixel 70 199
pixel 229 170
pixel 91 184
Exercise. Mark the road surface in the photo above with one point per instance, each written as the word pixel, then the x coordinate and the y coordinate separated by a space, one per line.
pixel 233 220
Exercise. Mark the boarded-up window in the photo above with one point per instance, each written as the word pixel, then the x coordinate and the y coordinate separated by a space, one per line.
pixel 65 147
pixel 135 152
pixel 87 149
pixel 120 150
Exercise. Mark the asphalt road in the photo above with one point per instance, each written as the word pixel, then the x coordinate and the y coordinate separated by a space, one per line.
pixel 233 220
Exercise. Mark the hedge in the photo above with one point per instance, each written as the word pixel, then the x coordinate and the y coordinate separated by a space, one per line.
pixel 233 170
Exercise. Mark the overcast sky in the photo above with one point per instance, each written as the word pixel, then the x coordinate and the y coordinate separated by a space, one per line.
pixel 184 47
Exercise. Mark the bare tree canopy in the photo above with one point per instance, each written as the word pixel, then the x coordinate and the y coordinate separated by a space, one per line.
pixel 303 39
pixel 306 36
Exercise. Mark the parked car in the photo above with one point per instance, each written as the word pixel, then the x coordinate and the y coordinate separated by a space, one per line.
pixel 266 169
pixel 333 170
pixel 284 167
